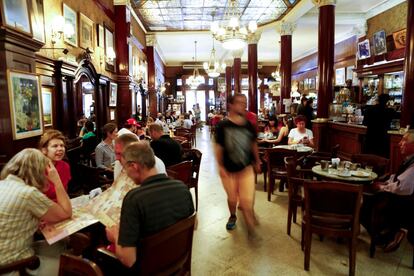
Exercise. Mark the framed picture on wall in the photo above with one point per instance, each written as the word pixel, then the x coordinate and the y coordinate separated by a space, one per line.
pixel 100 37
pixel 71 26
pixel 112 114
pixel 47 105
pixel 37 19
pixel 312 84
pixel 301 86
pixel 363 49
pixel 399 38
pixel 25 104
pixel 306 84
pixel 113 94
pixel 380 43
pixel 86 32
pixel 109 50
pixel 15 14
pixel 340 76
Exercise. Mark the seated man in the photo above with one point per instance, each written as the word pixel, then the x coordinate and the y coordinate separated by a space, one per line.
pixel 395 198
pixel 167 149
pixel 120 143
pixel 158 203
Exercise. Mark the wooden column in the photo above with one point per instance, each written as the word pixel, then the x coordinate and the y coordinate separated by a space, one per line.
pixel 286 31
pixel 228 81
pixel 237 71
pixel 252 71
pixel 407 114
pixel 326 46
pixel 124 95
pixel 152 93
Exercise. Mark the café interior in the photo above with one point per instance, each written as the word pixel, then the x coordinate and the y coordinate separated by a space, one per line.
pixel 112 60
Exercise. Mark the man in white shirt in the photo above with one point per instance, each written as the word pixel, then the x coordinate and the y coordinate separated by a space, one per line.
pixel 130 126
pixel 120 143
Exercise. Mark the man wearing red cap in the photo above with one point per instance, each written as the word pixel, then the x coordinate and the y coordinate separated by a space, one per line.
pixel 130 126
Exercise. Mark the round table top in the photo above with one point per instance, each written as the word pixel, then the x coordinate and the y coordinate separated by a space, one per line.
pixel 298 148
pixel 351 177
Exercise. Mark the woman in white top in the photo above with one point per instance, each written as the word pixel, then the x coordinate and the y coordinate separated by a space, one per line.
pixel 23 204
pixel 300 134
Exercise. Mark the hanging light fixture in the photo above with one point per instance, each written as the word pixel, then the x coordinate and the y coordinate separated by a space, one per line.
pixel 233 36
pixel 276 75
pixel 196 79
pixel 213 67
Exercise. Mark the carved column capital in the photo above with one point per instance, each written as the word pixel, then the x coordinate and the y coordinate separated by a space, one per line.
pixel 254 38
pixel 287 28
pixel 121 2
pixel 321 3
pixel 237 53
pixel 151 40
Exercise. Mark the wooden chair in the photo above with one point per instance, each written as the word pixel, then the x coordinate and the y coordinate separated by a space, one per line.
pixel 331 209
pixel 186 145
pixel 71 265
pixel 380 165
pixel 294 188
pixel 92 177
pixel 194 155
pixel 167 252
pixel 276 167
pixel 182 171
pixel 21 265
pixel 263 167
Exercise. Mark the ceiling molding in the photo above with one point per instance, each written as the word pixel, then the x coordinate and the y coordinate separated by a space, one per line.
pixel 134 14
pixel 382 7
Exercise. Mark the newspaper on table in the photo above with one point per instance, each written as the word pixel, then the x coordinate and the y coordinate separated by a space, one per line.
pixel 105 208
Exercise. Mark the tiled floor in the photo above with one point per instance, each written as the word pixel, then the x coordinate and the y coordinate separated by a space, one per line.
pixel 220 252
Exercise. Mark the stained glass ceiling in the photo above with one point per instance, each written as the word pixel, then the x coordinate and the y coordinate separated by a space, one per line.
pixel 179 15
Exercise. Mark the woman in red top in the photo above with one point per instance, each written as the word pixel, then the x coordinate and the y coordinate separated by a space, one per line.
pixel 52 145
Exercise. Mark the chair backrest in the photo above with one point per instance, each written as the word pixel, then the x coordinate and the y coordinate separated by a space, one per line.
pixel 333 200
pixel 381 165
pixel 294 182
pixel 186 145
pixel 71 265
pixel 275 157
pixel 169 250
pixel 32 262
pixel 89 145
pixel 182 171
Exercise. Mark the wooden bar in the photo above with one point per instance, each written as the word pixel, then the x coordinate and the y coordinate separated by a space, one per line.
pixel 349 137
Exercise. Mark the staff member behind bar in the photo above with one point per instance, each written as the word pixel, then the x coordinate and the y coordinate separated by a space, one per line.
pixel 395 198
pixel 300 134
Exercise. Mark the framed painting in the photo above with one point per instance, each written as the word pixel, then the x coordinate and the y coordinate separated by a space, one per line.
pixel 71 25
pixel 47 104
pixel 100 37
pixel 364 50
pixel 399 38
pixel 380 43
pixel 15 14
pixel 312 84
pixel 113 94
pixel 301 86
pixel 86 32
pixel 306 84
pixel 340 76
pixel 109 50
pixel 37 20
pixel 25 104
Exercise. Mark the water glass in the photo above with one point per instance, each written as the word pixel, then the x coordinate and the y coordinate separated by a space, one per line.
pixel 368 168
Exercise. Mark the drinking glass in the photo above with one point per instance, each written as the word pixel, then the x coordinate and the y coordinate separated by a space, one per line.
pixel 368 168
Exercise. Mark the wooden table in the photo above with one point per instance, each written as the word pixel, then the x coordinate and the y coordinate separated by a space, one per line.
pixel 333 174
pixel 295 147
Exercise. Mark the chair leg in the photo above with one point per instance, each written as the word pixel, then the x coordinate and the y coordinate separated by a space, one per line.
pixel 289 218
pixel 372 248
pixel 265 180
pixel 270 188
pixel 413 257
pixel 308 243
pixel 196 196
pixel 352 256
pixel 295 210
pixel 302 239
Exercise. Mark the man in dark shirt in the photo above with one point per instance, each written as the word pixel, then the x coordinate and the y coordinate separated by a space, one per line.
pixel 165 148
pixel 237 156
pixel 158 203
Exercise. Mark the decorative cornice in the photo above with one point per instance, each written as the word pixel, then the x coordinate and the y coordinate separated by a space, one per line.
pixel 237 53
pixel 321 3
pixel 360 30
pixel 287 28
pixel 151 40
pixel 121 2
pixel 254 37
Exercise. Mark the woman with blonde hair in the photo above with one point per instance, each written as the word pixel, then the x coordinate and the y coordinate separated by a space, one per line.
pixel 24 179
pixel 52 145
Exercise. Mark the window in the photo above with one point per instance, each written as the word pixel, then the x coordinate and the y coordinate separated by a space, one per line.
pixel 210 81
pixel 179 82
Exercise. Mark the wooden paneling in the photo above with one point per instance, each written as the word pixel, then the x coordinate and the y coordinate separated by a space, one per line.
pixel 390 21
pixel 349 137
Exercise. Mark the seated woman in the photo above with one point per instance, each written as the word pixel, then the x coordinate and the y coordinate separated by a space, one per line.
pixel 271 127
pixel 282 137
pixel 52 145
pixel 23 203
pixel 104 152
pixel 300 134
pixel 89 139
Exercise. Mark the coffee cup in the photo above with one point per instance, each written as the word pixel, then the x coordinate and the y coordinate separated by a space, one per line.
pixel 324 165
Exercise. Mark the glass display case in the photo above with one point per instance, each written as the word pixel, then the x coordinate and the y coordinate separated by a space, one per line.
pixel 393 85
pixel 347 113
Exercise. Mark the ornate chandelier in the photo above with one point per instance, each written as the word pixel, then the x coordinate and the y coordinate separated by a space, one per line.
pixel 213 67
pixel 233 36
pixel 196 79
